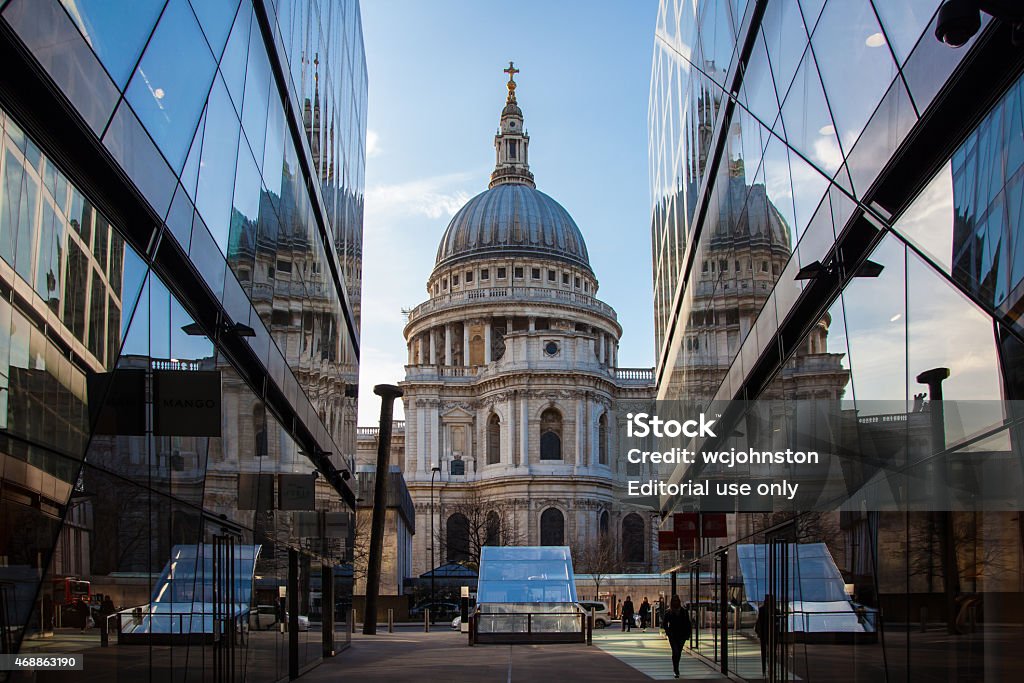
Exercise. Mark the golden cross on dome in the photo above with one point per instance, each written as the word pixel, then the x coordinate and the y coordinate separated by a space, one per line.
pixel 511 71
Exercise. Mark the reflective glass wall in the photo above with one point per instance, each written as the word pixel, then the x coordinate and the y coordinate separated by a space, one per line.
pixel 238 130
pixel 796 170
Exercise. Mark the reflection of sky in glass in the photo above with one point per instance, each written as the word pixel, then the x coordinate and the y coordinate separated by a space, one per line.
pixel 171 83
pixel 217 168
pixel 215 17
pixel 116 30
pixel 876 325
pixel 846 34
pixel 928 223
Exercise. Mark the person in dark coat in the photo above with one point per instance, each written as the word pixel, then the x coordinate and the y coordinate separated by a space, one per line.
pixel 765 629
pixel 106 609
pixel 676 623
pixel 645 615
pixel 627 614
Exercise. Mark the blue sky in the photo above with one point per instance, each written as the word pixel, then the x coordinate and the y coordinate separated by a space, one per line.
pixel 436 90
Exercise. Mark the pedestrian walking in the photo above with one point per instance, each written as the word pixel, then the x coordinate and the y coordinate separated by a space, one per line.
pixel 645 615
pixel 765 629
pixel 676 623
pixel 627 614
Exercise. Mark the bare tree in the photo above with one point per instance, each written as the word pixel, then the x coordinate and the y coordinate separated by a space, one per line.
pixel 471 522
pixel 361 544
pixel 596 559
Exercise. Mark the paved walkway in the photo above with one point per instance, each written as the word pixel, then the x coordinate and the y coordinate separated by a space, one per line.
pixel 650 654
pixel 444 657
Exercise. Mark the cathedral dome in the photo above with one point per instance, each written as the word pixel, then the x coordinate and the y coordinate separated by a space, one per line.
pixel 512 219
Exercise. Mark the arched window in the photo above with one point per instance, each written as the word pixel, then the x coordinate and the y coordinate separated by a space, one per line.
pixel 493 439
pixel 457 536
pixel 552 527
pixel 551 435
pixel 602 439
pixel 604 524
pixel 633 538
pixel 493 529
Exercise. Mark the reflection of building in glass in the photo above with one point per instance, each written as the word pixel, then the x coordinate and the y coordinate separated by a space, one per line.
pixel 180 245
pixel 803 138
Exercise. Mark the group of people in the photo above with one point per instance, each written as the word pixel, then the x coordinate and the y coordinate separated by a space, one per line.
pixel 675 622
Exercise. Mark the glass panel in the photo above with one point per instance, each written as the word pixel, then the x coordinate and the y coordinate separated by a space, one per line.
pixel 904 22
pixel 134 150
pixel 215 17
pixel 809 125
pixel 928 222
pixel 116 29
pixel 217 171
pixel 232 63
pixel 848 33
pixel 786 38
pixel 51 37
pixel 257 90
pixel 946 330
pixel 171 84
pixel 876 325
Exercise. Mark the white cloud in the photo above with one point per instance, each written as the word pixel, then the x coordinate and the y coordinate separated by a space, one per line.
pixel 373 148
pixel 432 197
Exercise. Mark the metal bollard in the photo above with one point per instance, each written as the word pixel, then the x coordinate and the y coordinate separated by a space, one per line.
pixel 590 627
pixel 352 621
pixel 471 624
pixel 426 620
pixel 391 620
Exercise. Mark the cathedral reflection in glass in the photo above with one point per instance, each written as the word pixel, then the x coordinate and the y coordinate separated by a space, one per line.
pixel 181 199
pixel 790 141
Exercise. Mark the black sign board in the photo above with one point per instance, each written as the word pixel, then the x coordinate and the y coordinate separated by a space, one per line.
pixel 117 402
pixel 255 492
pixel 295 492
pixel 458 467
pixel 186 403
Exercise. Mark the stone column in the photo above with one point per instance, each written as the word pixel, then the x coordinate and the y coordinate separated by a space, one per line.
pixel 447 343
pixel 508 325
pixel 487 341
pixel 435 435
pixel 600 347
pixel 510 458
pixel 433 347
pixel 465 344
pixel 421 441
pixel 533 324
pixel 588 443
pixel 580 460
pixel 524 434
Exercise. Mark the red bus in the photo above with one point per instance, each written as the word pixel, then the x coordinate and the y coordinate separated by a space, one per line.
pixel 69 590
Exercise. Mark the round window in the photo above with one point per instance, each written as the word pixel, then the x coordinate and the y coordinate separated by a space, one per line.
pixel 551 348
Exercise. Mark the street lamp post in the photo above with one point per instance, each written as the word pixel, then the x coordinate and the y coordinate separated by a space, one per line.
pixel 433 565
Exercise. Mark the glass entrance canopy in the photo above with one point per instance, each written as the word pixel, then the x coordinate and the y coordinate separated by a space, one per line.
pixel 528 593
pixel 194 587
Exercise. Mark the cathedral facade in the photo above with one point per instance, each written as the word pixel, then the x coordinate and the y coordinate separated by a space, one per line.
pixel 512 386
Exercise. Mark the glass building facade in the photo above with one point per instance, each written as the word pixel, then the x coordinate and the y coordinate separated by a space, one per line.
pixel 181 201
pixel 808 138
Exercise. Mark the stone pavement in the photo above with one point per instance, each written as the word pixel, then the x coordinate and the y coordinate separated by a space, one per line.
pixel 444 657
pixel 649 653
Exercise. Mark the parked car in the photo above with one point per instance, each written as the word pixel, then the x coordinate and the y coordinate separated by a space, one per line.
pixel 602 617
pixel 264 618
pixel 438 610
